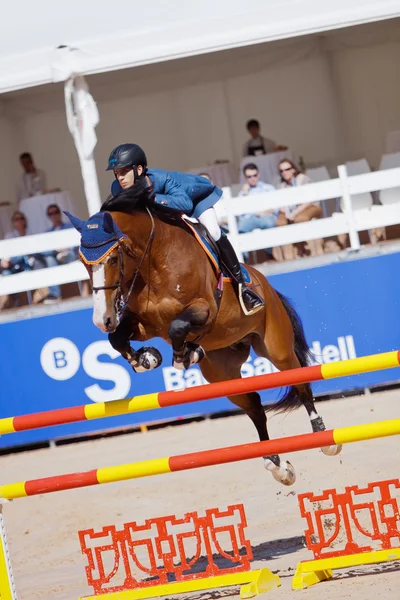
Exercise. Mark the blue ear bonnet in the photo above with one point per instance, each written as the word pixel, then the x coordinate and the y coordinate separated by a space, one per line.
pixel 99 236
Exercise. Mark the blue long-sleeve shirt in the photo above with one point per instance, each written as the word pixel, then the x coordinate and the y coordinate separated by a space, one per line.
pixel 191 194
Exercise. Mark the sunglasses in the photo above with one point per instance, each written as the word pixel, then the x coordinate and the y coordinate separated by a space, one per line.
pixel 53 213
pixel 19 218
pixel 252 175
pixel 285 170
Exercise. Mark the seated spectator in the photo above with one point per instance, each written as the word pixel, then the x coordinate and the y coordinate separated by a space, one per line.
pixel 17 264
pixel 253 184
pixel 291 176
pixel 33 180
pixel 262 220
pixel 54 215
pixel 257 144
pixel 61 256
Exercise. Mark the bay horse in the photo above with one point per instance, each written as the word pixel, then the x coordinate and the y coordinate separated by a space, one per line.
pixel 151 278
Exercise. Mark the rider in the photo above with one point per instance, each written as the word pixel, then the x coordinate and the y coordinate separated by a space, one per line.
pixel 190 194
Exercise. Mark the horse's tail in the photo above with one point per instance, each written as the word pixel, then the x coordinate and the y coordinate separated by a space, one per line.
pixel 291 399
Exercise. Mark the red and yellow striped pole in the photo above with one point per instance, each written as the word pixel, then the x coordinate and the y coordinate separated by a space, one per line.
pixel 374 362
pixel 205 458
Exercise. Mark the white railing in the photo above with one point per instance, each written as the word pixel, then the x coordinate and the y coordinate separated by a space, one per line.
pixel 349 221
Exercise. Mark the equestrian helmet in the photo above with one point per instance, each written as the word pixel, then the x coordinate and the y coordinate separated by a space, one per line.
pixel 126 155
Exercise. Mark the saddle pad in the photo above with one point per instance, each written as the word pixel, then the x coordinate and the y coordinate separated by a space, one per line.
pixel 197 230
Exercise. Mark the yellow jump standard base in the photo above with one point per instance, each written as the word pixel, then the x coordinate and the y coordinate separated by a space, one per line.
pixel 257 582
pixel 7 585
pixel 313 571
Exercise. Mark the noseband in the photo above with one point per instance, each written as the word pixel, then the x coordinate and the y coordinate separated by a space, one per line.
pixel 120 301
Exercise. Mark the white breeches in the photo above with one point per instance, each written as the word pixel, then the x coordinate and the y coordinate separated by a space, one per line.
pixel 209 219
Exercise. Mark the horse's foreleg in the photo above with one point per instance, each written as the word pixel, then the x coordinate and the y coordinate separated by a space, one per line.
pixel 191 320
pixel 144 359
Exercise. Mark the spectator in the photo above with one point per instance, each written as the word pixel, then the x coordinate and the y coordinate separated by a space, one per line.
pixel 265 219
pixel 257 144
pixel 32 181
pixel 60 256
pixel 291 176
pixel 65 255
pixel 17 264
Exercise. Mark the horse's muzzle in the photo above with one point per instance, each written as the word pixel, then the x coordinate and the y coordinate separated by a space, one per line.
pixel 110 325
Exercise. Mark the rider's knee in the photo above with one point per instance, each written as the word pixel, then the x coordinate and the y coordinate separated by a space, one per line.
pixel 215 232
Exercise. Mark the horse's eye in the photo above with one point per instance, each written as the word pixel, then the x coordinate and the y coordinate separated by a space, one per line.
pixel 113 260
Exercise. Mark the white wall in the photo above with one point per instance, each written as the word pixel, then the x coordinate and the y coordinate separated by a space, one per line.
pixel 47 137
pixel 9 167
pixel 368 88
pixel 326 105
pixel 295 104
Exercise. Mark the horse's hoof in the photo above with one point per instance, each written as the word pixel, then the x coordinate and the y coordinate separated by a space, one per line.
pixel 332 450
pixel 284 473
pixel 196 355
pixel 192 355
pixel 146 359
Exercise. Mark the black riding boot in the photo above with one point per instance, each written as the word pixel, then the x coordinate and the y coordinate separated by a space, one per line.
pixel 249 300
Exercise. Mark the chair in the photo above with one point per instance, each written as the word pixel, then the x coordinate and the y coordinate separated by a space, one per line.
pixel 359 167
pixel 322 174
pixel 235 189
pixel 391 195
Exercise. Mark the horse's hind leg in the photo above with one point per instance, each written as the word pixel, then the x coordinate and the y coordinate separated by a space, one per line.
pixel 285 346
pixel 224 364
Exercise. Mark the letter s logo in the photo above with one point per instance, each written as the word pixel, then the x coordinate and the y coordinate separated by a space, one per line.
pixel 105 371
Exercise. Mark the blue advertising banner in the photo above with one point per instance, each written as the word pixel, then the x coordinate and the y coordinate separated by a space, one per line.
pixel 348 309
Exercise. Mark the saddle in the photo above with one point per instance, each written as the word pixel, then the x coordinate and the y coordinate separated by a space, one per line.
pixel 125 202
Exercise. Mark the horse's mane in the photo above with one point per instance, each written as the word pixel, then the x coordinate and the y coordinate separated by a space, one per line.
pixel 136 199
pixel 127 201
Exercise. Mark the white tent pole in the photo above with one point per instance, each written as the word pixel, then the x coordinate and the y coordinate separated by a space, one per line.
pixel 82 117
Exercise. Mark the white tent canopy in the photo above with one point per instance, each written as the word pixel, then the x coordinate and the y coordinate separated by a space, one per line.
pixel 109 37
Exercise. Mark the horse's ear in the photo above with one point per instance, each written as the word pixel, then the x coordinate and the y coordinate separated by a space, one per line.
pixel 77 223
pixel 108 223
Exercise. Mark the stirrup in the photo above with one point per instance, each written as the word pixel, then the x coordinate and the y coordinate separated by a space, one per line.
pixel 246 311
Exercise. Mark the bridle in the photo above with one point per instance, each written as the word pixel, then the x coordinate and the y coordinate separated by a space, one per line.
pixel 121 301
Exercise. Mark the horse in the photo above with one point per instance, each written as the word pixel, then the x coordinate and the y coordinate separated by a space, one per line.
pixel 152 278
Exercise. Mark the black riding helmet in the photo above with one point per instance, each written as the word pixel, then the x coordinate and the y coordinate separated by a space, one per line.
pixel 127 155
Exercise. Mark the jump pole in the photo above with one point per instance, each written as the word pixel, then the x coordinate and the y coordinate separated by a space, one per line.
pixel 195 460
pixel 88 412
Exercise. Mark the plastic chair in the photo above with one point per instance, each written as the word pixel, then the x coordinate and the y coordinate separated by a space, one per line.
pixel 359 167
pixel 391 195
pixel 322 174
